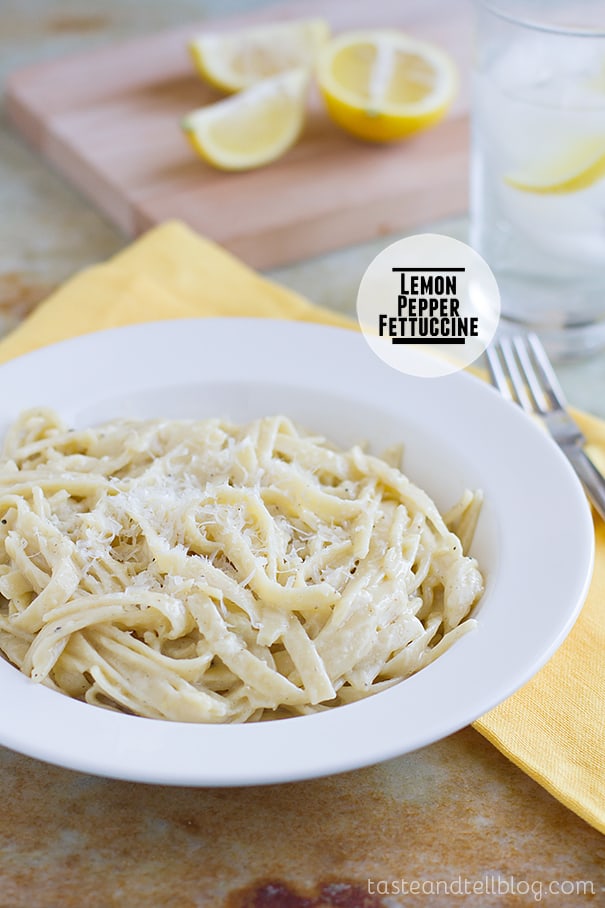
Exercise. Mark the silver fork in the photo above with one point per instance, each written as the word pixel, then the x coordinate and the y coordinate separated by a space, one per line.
pixel 521 371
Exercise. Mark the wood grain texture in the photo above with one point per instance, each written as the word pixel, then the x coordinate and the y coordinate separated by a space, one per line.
pixel 109 121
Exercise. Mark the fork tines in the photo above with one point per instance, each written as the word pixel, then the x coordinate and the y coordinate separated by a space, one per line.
pixel 522 372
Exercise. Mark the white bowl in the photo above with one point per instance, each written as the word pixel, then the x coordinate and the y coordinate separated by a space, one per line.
pixel 534 540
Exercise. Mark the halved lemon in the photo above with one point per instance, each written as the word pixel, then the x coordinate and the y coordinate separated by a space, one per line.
pixel 237 60
pixel 253 127
pixel 382 84
pixel 575 167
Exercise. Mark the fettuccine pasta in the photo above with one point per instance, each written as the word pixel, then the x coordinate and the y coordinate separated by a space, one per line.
pixel 205 572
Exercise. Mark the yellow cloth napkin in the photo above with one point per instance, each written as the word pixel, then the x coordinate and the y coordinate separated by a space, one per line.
pixel 554 728
pixel 170 273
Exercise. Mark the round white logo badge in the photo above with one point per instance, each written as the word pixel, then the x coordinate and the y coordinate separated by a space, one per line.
pixel 428 305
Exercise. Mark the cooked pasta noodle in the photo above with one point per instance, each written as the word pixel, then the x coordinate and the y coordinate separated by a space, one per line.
pixel 207 572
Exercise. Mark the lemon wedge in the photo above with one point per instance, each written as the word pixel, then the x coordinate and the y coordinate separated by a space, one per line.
pixel 237 60
pixel 382 85
pixel 251 128
pixel 576 167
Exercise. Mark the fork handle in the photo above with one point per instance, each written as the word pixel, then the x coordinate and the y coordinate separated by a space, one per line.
pixel 592 480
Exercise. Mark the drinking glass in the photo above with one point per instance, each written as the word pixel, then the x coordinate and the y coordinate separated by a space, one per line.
pixel 538 165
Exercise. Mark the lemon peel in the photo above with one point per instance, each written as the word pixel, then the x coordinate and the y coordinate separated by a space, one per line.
pixel 253 127
pixel 576 167
pixel 237 60
pixel 382 85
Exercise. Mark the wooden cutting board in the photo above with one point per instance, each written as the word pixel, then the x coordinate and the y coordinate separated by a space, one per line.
pixel 109 121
